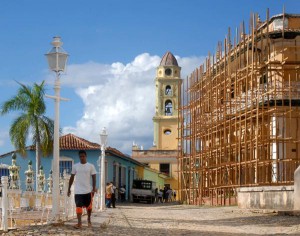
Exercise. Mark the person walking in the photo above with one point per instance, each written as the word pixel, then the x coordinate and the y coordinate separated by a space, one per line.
pixel 156 195
pixel 108 195
pixel 174 195
pixel 169 195
pixel 113 194
pixel 83 190
pixel 122 193
pixel 165 195
pixel 160 196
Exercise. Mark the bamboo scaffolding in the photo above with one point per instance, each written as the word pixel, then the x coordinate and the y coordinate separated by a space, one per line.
pixel 240 118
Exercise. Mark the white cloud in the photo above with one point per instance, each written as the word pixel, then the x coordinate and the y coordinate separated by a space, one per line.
pixel 120 97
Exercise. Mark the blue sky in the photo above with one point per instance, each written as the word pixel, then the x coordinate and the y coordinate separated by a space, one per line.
pixel 114 47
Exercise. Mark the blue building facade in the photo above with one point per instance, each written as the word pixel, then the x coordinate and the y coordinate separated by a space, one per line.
pixel 119 168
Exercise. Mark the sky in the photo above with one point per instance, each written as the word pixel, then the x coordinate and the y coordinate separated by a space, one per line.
pixel 114 47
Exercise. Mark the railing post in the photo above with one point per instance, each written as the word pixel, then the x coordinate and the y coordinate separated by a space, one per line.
pixel 71 205
pixel 4 181
pixel 66 184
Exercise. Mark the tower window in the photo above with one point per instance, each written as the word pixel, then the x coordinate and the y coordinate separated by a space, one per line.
pixel 167 132
pixel 168 71
pixel 168 108
pixel 168 90
pixel 164 168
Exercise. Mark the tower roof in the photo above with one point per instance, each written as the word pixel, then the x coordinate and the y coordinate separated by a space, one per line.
pixel 168 60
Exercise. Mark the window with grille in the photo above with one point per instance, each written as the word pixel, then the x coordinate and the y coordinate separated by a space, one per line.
pixel 65 165
pixel 4 172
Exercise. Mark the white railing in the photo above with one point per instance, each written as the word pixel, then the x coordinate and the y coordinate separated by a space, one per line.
pixel 22 208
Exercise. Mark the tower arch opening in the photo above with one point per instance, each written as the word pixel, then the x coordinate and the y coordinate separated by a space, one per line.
pixel 168 90
pixel 168 108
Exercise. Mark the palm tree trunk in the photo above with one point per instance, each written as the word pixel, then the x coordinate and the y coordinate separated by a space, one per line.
pixel 37 162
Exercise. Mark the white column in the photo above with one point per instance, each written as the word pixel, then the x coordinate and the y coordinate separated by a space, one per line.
pixel 274 151
pixel 99 189
pixel 297 189
pixel 55 191
pixel 125 169
pixel 130 184
pixel 117 178
pixel 66 184
pixel 4 181
pixel 102 192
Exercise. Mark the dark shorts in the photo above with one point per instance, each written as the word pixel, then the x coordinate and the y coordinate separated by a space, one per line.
pixel 83 200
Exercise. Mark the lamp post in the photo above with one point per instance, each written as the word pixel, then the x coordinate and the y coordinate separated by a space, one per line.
pixel 57 59
pixel 103 142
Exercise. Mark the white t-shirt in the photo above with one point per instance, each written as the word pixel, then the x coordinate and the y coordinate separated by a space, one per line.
pixel 83 173
pixel 113 188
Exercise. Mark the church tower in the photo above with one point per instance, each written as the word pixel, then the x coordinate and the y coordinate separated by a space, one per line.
pixel 162 156
pixel 167 101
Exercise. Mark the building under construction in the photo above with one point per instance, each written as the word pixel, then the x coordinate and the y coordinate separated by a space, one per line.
pixel 240 122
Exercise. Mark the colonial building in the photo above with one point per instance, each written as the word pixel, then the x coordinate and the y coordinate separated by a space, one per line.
pixel 240 126
pixel 163 155
pixel 119 168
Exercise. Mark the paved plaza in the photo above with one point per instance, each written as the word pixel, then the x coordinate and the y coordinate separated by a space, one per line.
pixel 174 219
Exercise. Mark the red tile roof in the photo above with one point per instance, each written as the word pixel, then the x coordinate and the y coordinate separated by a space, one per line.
pixel 73 142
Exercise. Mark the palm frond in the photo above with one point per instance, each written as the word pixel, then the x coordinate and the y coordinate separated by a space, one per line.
pixel 38 92
pixel 19 132
pixel 30 101
pixel 46 133
pixel 22 101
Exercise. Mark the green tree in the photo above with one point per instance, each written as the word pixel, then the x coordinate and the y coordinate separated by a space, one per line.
pixel 31 122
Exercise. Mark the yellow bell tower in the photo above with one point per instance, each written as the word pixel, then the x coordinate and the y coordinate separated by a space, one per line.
pixel 167 101
pixel 162 156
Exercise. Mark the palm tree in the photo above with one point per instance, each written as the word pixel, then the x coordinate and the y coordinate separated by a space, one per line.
pixel 31 121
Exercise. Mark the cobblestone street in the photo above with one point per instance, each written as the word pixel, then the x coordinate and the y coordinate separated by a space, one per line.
pixel 189 220
pixel 170 219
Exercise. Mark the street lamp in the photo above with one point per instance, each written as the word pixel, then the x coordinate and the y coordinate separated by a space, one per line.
pixel 57 59
pixel 103 142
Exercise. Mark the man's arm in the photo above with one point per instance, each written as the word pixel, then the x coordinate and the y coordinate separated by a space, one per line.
pixel 94 183
pixel 70 184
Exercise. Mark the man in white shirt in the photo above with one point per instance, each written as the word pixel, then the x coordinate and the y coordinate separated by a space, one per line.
pixel 83 191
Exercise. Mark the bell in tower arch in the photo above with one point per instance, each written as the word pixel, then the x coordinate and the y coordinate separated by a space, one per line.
pixel 168 108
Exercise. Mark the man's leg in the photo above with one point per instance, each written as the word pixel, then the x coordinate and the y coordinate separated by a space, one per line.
pixel 79 218
pixel 89 209
pixel 79 214
pixel 78 202
pixel 109 202
pixel 89 213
